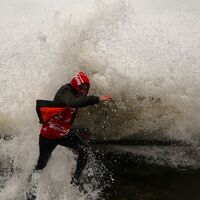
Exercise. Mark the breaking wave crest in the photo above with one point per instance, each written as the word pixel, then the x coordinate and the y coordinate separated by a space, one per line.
pixel 145 54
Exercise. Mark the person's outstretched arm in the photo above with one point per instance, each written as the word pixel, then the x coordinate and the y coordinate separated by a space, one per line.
pixel 69 99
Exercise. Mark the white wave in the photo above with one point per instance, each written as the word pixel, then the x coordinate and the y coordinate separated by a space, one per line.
pixel 145 54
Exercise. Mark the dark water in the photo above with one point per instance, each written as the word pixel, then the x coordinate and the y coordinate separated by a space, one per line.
pixel 153 182
pixel 136 179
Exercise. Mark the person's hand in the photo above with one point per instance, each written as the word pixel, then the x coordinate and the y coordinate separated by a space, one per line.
pixel 105 98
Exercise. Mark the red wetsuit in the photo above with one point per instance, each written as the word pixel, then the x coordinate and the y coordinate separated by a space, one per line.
pixel 59 125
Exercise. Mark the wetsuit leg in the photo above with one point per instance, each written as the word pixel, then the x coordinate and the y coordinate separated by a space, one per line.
pixel 81 162
pixel 72 140
pixel 46 147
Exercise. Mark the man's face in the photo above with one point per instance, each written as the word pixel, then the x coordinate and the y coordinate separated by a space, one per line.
pixel 83 90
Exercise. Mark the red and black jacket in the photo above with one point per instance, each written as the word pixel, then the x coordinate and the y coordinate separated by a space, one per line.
pixel 58 115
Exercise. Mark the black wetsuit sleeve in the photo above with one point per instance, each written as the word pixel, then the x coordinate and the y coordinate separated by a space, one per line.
pixel 69 99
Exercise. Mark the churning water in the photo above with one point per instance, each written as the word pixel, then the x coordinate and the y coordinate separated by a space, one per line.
pixel 143 53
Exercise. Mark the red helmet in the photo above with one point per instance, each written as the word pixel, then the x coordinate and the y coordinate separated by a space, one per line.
pixel 80 79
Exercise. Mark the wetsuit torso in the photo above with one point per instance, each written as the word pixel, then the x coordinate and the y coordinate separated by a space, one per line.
pixel 59 125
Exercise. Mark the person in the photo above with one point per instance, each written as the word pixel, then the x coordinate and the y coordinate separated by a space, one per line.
pixel 57 128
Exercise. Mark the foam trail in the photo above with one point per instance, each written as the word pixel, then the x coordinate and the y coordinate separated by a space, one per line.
pixel 145 54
